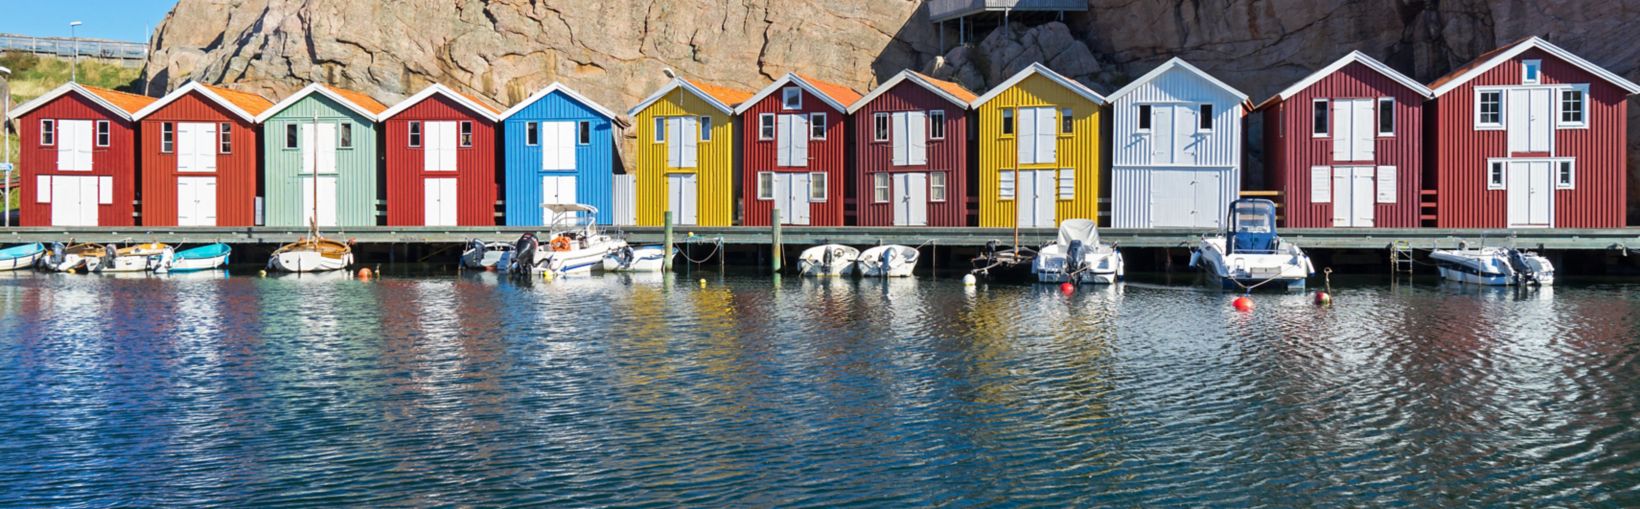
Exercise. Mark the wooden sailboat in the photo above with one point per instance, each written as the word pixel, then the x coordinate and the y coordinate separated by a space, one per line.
pixel 312 253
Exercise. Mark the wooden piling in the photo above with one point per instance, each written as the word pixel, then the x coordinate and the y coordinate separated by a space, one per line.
pixel 667 246
pixel 774 222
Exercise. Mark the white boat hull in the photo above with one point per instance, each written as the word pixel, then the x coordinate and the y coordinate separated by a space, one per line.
pixel 308 261
pixel 1100 267
pixel 488 259
pixel 902 264
pixel 70 262
pixel 580 260
pixel 194 264
pixel 21 262
pixel 127 263
pixel 644 259
pixel 1287 268
pixel 1489 266
pixel 812 262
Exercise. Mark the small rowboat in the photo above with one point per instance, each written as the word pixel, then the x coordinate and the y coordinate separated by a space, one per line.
pixel 892 260
pixel 63 259
pixel 138 258
pixel 21 257
pixel 312 255
pixel 207 257
pixel 827 260
pixel 636 259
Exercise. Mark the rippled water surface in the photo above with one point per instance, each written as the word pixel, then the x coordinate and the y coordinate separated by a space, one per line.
pixel 615 391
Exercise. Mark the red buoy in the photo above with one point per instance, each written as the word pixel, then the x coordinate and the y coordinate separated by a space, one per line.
pixel 1067 288
pixel 1323 299
pixel 1243 303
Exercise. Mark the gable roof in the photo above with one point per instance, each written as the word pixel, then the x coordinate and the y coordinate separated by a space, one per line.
pixel 1486 61
pixel 723 98
pixel 1174 63
pixel 1352 58
pixel 244 105
pixel 466 101
pixel 1036 68
pixel 563 89
pixel 358 102
pixel 837 96
pixel 120 104
pixel 945 89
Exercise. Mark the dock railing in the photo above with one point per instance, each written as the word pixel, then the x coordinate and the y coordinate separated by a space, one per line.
pixel 942 10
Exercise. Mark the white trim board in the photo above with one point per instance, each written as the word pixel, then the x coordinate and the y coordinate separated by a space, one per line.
pixel 1178 63
pixel 558 87
pixel 1038 69
pixel 1539 43
pixel 686 85
pixel 439 89
pixel 311 89
pixel 791 78
pixel 1354 57
pixel 194 86
pixel 19 110
pixel 903 76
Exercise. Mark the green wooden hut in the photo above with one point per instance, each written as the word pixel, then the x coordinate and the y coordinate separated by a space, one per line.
pixel 324 133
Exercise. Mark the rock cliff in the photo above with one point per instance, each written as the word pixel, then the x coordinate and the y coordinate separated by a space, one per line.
pixel 614 50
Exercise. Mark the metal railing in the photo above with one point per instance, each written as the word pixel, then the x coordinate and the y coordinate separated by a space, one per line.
pixel 941 10
pixel 65 47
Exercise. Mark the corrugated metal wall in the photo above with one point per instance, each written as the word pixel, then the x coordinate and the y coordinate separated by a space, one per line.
pixel 828 156
pixel 1131 188
pixel 1293 151
pixel 715 162
pixel 594 162
pixel 282 167
pixel 1081 150
pixel 236 173
pixel 1599 199
pixel 475 174
pixel 950 154
pixel 1131 150
pixel 118 160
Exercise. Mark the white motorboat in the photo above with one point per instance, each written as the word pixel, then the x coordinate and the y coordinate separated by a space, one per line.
pixel 827 260
pixel 206 257
pixel 138 258
pixel 21 257
pixel 576 244
pixel 481 255
pixel 1493 266
pixel 1249 254
pixel 60 258
pixel 892 260
pixel 1078 256
pixel 636 259
pixel 311 254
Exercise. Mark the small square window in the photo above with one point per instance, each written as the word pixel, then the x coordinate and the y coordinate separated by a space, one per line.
pixel 225 136
pixel 817 126
pixel 1563 175
pixel 705 128
pixel 791 98
pixel 103 134
pixel 1571 107
pixel 765 185
pixel 660 129
pixel 344 133
pixel 1067 121
pixel 879 187
pixel 291 135
pixel 583 132
pixel 1005 185
pixel 936 124
pixel 1007 122
pixel 936 186
pixel 466 133
pixel 1531 72
pixel 1386 116
pixel 532 134
pixel 1205 118
pixel 1320 118
pixel 1494 175
pixel 765 126
pixel 1489 109
pixel 817 187
pixel 880 127
pixel 1144 118
pixel 167 137
pixel 415 133
pixel 48 132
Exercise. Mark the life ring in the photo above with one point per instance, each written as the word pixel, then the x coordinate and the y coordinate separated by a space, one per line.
pixel 561 243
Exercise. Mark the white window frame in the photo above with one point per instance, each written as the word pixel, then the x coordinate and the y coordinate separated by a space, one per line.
pixel 167 137
pixel 824 187
pixel 1064 192
pixel 1531 72
pixel 1321 107
pixel 1560 107
pixel 1570 182
pixel 1482 125
pixel 765 185
pixel 1009 124
pixel 465 138
pixel 1497 175
pixel 48 132
pixel 943 186
pixel 1007 181
pixel 1385 104
pixel 1204 116
pixel 882 127
pixel 344 136
pixel 1067 122
pixel 105 133
pixel 936 124
pixel 224 138
pixel 414 134
pixel 1142 124
pixel 817 126
pixel 532 134
pixel 704 125
pixel 880 192
pixel 293 136
pixel 660 130
pixel 765 126
pixel 791 98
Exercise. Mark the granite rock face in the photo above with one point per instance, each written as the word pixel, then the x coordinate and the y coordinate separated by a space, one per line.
pixel 614 50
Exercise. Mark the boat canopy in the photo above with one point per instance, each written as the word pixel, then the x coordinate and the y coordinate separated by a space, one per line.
pixel 1253 225
pixel 1078 229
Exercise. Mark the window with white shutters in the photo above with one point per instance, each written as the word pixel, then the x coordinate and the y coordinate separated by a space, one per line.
pixel 1067 184
pixel 1005 185
pixel 1387 176
pixel 1320 184
pixel 1037 135
pixel 910 138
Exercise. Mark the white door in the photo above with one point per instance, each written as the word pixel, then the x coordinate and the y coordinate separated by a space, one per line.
pixel 320 151
pixel 792 141
pixel 1163 144
pixel 74 139
pixel 682 197
pixel 196 147
pixel 556 189
pixel 1531 194
pixel 791 196
pixel 910 138
pixel 625 200
pixel 910 199
pixel 1209 205
pixel 196 201
pixel 1353 130
pixel 440 202
pixel 1172 198
pixel 682 141
pixel 558 141
pixel 326 194
pixel 1530 120
pixel 1185 127
pixel 73 201
pixel 438 146
pixel 1035 193
pixel 1354 196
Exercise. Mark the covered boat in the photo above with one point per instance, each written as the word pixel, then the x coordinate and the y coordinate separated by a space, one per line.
pixel 576 244
pixel 137 258
pixel 637 259
pixel 1249 254
pixel 21 257
pixel 1078 256
pixel 1493 266
pixel 206 257
pixel 892 260
pixel 827 260
pixel 481 255
pixel 60 258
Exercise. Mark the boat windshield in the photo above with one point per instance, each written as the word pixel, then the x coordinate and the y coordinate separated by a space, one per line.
pixel 1254 217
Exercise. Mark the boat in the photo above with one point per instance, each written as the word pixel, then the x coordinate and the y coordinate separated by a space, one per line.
pixel 1493 266
pixel 827 260
pixel 60 258
pixel 21 257
pixel 576 244
pixel 637 259
pixel 997 262
pixel 892 260
pixel 206 257
pixel 1077 256
pixel 1249 254
pixel 137 258
pixel 481 255
pixel 311 254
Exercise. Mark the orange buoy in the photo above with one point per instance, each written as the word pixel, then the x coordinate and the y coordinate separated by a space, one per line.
pixel 1323 299
pixel 1243 303
pixel 364 273
pixel 1067 288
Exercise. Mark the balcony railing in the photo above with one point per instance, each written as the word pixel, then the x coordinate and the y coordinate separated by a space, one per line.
pixel 941 10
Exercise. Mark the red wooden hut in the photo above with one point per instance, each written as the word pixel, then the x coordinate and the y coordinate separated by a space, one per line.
pixel 1530 136
pixel 911 153
pixel 78 157
pixel 199 157
pixel 795 152
pixel 441 155
pixel 1345 146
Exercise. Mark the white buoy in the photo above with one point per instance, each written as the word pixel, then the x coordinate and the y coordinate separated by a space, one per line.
pixel 969 280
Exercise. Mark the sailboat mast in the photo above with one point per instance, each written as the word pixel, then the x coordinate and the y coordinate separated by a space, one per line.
pixel 313 128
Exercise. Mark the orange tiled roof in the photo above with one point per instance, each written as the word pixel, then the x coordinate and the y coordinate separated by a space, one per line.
pixel 128 102
pixel 1477 62
pixel 251 103
pixel 725 95
pixel 950 88
pixel 843 95
pixel 369 104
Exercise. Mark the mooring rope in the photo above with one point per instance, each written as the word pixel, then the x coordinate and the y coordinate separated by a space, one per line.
pixel 717 245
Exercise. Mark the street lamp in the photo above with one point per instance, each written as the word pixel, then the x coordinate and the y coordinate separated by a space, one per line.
pixel 74 70
pixel 5 128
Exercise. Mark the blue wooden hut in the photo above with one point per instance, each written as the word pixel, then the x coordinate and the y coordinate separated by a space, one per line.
pixel 559 147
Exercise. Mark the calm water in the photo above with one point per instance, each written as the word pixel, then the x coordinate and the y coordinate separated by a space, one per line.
pixel 614 391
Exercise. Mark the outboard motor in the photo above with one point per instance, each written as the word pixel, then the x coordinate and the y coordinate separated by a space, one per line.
pixel 1523 271
pixel 888 260
pixel 625 257
pixel 58 253
pixel 1074 256
pixel 524 253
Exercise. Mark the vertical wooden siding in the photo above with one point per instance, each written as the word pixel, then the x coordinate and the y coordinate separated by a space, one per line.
pixel 1295 150
pixel 825 156
pixel 949 155
pixel 475 166
pixel 594 162
pixel 1599 197
pixel 118 160
pixel 355 167
pixel 236 173
pixel 1131 151
pixel 714 165
pixel 1080 151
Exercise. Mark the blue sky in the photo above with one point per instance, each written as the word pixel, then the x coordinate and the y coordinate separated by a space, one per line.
pixel 123 20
